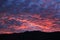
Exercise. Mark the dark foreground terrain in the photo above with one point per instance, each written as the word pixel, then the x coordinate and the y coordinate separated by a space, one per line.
pixel 36 35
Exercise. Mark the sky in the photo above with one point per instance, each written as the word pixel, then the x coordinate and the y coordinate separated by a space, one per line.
pixel 29 15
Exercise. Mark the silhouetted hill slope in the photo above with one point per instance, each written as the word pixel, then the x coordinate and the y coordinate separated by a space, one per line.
pixel 36 35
